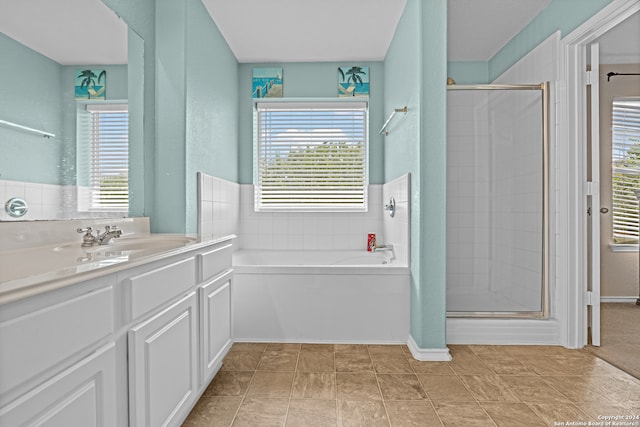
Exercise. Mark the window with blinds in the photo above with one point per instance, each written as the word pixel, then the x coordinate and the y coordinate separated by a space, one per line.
pixel 109 157
pixel 311 156
pixel 625 169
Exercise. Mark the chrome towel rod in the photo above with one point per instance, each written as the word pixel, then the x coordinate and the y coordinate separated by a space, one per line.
pixel 384 126
pixel 40 132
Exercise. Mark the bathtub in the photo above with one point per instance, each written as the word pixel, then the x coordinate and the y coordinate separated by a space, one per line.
pixel 320 296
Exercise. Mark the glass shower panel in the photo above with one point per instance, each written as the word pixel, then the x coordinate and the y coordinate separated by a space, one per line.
pixel 495 202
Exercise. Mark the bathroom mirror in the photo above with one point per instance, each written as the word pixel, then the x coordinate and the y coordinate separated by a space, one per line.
pixel 43 53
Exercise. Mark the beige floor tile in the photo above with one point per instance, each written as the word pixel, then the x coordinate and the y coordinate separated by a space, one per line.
pixel 315 361
pixel 413 413
pixel 469 364
pixel 248 346
pixel 595 409
pixel 494 350
pixel 431 368
pixel 385 349
pixel 217 411
pixel 555 412
pixel 353 362
pixel 391 363
pixel 261 412
pixel 351 348
pixel 309 385
pixel 357 386
pixel 507 414
pixel 229 383
pixel 318 347
pixel 312 413
pixel 456 349
pixel 505 365
pixel 279 360
pixel 400 387
pixel 580 389
pixel 241 361
pixel 271 385
pixel 362 413
pixel 621 388
pixel 533 389
pixel 445 388
pixel 489 388
pixel 277 346
pixel 462 414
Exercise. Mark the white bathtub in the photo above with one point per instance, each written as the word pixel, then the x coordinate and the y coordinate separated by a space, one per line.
pixel 320 296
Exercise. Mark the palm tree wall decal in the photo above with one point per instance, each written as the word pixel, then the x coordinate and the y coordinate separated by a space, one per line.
pixel 89 81
pixel 354 76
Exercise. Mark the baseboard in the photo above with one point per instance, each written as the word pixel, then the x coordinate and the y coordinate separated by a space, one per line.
pixel 503 331
pixel 625 300
pixel 428 354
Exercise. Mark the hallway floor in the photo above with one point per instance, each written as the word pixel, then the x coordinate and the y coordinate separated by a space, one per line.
pixel 320 385
pixel 620 336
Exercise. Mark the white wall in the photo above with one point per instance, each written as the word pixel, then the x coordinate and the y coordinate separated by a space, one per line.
pixel 218 207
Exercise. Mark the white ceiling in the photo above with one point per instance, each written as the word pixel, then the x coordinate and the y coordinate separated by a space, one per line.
pixel 307 31
pixel 88 32
pixel 478 29
pixel 70 32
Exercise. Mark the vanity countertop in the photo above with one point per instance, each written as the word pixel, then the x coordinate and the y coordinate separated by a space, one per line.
pixel 26 272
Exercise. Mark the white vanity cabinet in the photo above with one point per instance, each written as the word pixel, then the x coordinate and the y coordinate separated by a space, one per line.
pixel 57 364
pixel 134 347
pixel 163 365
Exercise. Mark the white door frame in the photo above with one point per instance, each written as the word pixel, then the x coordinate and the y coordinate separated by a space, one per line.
pixel 572 113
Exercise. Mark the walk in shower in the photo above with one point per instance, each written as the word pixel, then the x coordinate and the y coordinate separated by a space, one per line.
pixel 497 201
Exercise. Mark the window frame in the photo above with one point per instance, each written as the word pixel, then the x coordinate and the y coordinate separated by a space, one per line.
pixel 308 105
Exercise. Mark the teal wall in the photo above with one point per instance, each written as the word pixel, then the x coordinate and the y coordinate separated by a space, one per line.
pixel 312 80
pixel 30 94
pixel 190 108
pixel 415 75
pixel 211 106
pixel 468 72
pixel 39 93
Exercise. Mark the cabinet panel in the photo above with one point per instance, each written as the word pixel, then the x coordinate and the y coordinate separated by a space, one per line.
pixel 215 261
pixel 151 289
pixel 215 328
pixel 82 395
pixel 35 342
pixel 162 365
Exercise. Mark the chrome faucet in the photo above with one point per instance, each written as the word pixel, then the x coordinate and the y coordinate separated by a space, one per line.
pixel 383 248
pixel 110 232
pixel 88 239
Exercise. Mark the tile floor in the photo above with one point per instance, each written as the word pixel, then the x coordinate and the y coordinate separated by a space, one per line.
pixel 317 385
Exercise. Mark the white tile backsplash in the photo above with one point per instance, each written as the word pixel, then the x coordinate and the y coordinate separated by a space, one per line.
pixel 218 207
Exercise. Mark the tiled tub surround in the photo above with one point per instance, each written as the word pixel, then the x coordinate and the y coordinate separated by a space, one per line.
pixel 218 207
pixel 297 385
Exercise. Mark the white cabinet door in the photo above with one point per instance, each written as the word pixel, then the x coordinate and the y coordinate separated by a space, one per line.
pixel 82 395
pixel 163 365
pixel 215 326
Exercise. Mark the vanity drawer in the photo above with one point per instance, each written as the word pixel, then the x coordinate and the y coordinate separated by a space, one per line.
pixel 36 342
pixel 153 288
pixel 215 261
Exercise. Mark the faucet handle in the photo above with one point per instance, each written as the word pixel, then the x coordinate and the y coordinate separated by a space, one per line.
pixel 87 230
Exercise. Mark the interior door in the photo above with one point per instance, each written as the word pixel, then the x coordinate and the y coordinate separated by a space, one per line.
pixel 593 193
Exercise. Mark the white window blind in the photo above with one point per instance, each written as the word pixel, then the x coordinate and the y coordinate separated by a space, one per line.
pixel 311 156
pixel 625 168
pixel 109 180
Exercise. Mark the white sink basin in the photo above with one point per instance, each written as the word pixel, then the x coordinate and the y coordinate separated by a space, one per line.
pixel 157 242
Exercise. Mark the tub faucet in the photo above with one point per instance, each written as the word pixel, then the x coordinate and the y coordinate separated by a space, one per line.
pixel 383 248
pixel 110 232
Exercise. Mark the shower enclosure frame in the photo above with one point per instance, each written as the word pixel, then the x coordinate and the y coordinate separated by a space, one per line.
pixel 544 312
